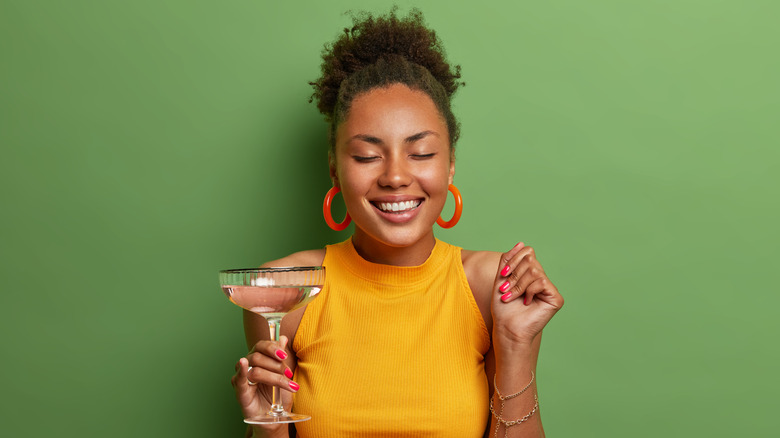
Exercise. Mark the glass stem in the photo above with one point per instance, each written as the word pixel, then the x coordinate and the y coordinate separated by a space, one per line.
pixel 277 409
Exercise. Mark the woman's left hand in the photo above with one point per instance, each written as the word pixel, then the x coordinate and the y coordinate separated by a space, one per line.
pixel 524 299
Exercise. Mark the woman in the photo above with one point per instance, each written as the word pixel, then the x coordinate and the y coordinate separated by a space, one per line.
pixel 410 336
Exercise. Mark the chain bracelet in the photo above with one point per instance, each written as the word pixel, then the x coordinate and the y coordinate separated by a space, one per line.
pixel 499 419
pixel 508 424
pixel 498 393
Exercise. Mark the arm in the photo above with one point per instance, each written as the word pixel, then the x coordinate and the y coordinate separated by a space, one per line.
pixel 272 364
pixel 513 374
pixel 501 283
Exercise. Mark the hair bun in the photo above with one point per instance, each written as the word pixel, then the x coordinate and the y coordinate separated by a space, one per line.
pixel 382 37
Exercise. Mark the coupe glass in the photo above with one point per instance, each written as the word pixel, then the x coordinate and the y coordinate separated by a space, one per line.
pixel 272 293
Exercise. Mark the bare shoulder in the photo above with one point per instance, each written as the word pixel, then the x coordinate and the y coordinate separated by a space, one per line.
pixel 480 268
pixel 312 257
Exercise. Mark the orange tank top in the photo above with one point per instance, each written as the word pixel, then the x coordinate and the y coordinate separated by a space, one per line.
pixel 391 351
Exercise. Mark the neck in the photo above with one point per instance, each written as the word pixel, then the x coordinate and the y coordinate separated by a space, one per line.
pixel 375 251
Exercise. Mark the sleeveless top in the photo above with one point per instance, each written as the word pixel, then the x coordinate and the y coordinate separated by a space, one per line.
pixel 392 351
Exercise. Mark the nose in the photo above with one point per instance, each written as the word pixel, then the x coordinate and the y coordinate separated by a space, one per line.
pixel 395 173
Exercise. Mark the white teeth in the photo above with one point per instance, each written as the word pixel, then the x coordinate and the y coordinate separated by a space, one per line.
pixel 398 206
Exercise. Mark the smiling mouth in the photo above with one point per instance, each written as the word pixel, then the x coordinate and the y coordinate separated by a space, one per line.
pixel 397 207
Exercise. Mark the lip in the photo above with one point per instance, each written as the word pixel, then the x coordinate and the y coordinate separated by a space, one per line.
pixel 397 218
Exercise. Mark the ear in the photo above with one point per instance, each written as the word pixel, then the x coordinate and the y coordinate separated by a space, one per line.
pixel 334 178
pixel 451 177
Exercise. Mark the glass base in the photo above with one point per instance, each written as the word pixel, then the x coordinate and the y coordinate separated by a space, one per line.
pixel 284 417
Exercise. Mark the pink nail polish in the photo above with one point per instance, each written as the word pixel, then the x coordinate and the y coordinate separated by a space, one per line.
pixel 281 354
pixel 525 300
pixel 288 373
pixel 504 286
pixel 506 296
pixel 505 271
pixel 294 386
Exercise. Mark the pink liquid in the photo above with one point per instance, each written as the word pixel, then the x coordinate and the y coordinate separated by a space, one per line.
pixel 270 300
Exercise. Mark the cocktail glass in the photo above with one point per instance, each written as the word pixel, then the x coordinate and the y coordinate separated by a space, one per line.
pixel 272 293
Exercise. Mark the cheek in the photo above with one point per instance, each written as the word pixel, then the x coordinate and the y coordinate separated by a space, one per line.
pixel 352 183
pixel 437 189
pixel 438 177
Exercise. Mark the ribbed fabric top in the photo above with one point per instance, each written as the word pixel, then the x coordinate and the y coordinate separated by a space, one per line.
pixel 391 351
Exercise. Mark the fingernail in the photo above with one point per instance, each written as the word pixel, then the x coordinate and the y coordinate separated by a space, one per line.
pixel 506 296
pixel 504 286
pixel 294 386
pixel 525 300
pixel 505 271
pixel 518 244
pixel 288 373
pixel 281 354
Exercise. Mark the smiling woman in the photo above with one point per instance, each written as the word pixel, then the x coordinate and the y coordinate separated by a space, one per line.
pixel 393 150
pixel 473 318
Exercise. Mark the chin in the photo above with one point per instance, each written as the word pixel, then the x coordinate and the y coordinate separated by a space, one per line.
pixel 400 238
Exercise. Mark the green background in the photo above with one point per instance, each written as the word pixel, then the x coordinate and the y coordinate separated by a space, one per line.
pixel 148 144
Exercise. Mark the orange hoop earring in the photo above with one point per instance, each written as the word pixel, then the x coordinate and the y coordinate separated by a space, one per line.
pixel 458 209
pixel 328 216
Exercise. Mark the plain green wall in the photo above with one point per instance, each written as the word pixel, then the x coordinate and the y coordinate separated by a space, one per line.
pixel 148 144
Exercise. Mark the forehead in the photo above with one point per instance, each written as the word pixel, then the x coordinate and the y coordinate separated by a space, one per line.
pixel 396 110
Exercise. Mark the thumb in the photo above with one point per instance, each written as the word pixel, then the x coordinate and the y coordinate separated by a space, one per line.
pixel 283 342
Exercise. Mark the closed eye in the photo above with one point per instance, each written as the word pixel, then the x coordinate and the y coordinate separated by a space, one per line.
pixel 422 156
pixel 361 159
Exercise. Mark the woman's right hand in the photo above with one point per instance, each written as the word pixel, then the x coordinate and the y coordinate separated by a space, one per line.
pixel 256 374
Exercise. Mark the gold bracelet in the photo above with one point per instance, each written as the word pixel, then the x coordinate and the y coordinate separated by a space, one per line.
pixel 508 424
pixel 499 419
pixel 515 394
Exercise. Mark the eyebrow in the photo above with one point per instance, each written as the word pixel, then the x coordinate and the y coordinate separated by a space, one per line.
pixel 411 139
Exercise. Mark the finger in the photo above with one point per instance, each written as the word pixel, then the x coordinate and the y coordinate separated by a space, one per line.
pixel 246 394
pixel 527 273
pixel 519 264
pixel 272 364
pixel 265 377
pixel 543 290
pixel 504 266
pixel 239 381
pixel 525 255
pixel 283 345
pixel 273 349
pixel 502 283
pixel 523 288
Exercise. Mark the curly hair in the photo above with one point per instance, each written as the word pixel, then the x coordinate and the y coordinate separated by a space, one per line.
pixel 381 51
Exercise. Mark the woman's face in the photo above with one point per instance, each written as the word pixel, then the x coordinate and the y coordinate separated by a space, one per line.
pixel 393 164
